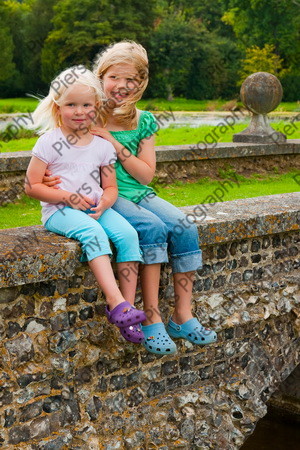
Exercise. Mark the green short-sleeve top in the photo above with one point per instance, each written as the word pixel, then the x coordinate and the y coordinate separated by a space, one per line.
pixel 129 187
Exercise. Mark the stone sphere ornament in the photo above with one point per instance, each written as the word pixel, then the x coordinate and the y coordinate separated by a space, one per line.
pixel 261 93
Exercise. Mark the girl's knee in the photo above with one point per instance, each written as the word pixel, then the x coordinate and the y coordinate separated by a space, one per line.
pixel 127 235
pixel 92 232
pixel 185 231
pixel 131 235
pixel 157 231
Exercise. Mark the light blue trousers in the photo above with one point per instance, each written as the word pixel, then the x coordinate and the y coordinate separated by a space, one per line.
pixel 94 234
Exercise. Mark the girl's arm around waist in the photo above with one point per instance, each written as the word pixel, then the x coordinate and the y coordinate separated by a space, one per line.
pixel 141 167
pixel 36 189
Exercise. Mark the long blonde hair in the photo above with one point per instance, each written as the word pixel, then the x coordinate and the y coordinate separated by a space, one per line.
pixel 46 116
pixel 124 52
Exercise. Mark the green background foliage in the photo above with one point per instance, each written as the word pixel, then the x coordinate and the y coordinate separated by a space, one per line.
pixel 197 49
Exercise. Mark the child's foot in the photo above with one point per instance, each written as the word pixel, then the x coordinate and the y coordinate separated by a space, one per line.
pixel 157 339
pixel 192 331
pixel 133 333
pixel 125 315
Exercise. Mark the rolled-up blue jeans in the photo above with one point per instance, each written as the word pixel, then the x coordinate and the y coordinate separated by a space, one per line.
pixel 94 234
pixel 163 229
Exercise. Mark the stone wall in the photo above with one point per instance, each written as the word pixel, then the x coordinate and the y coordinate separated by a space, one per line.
pixel 180 162
pixel 69 381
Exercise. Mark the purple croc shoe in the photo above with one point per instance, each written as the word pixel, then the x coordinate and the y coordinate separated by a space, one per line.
pixel 125 315
pixel 133 333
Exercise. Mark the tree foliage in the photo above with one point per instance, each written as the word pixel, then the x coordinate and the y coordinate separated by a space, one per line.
pixel 262 60
pixel 198 49
pixel 81 29
pixel 7 65
pixel 260 22
pixel 270 22
pixel 172 47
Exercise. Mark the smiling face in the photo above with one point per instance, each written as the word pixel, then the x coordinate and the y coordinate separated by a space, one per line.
pixel 120 82
pixel 77 109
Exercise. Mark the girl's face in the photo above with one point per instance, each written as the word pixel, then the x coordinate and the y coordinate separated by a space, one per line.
pixel 78 109
pixel 120 82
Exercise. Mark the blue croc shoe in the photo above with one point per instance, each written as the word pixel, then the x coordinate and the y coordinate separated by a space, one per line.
pixel 192 331
pixel 157 339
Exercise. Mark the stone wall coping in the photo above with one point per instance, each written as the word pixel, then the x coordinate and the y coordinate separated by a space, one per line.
pixel 246 218
pixel 14 161
pixel 32 254
pixel 192 152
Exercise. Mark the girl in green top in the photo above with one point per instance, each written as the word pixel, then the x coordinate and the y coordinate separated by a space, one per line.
pixel 164 231
pixel 162 228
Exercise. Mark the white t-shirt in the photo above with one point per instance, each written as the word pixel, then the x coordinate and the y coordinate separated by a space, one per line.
pixel 77 166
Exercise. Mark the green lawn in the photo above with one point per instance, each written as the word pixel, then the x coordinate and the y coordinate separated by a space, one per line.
pixel 210 134
pixel 27 211
pixel 171 136
pixel 182 104
pixel 209 191
pixel 11 105
pixel 17 145
pixel 23 213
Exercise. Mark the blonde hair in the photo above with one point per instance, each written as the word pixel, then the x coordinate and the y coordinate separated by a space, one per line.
pixel 124 52
pixel 46 116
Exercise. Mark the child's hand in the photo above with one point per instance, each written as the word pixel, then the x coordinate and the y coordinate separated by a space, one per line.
pixel 77 201
pixel 98 210
pixel 50 181
pixel 104 133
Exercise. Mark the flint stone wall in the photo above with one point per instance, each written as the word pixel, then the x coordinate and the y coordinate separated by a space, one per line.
pixel 69 381
pixel 179 162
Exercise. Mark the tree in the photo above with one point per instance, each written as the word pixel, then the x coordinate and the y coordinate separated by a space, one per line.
pixel 171 51
pixel 272 22
pixel 13 26
pixel 7 65
pixel 208 12
pixel 82 29
pixel 261 60
pixel 188 60
pixel 36 29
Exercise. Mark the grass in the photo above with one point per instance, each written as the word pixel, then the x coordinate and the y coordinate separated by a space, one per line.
pixel 210 134
pixel 26 211
pixel 17 145
pixel 182 104
pixel 206 190
pixel 172 136
pixel 14 105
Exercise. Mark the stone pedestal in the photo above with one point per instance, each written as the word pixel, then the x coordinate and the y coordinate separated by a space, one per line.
pixel 261 93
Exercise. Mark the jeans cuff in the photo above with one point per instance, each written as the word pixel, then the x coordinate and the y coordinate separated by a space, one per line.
pixel 155 253
pixel 187 262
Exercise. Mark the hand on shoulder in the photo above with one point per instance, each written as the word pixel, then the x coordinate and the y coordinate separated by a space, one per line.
pixel 104 133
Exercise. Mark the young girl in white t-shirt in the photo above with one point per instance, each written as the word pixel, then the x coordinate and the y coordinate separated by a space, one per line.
pixel 81 207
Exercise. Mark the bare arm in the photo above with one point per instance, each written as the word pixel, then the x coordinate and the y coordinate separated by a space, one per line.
pixel 51 181
pixel 141 167
pixel 35 188
pixel 110 190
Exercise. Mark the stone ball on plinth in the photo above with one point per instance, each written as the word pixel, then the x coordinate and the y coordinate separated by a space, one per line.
pixel 261 92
